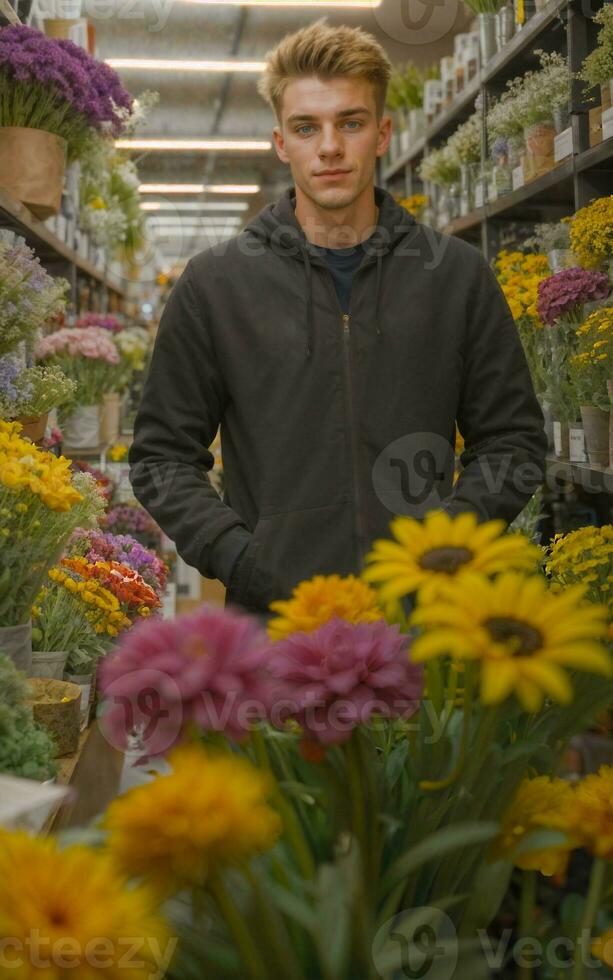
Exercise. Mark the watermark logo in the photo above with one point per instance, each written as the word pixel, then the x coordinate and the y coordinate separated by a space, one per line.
pixel 417 21
pixel 413 474
pixel 419 944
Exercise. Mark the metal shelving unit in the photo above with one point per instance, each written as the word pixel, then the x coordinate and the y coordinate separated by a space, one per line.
pixel 55 255
pixel 562 25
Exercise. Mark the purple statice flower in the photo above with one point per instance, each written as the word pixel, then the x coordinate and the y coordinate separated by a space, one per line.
pixel 106 322
pixel 342 675
pixel 91 88
pixel 10 369
pixel 207 670
pixel 564 293
pixel 129 519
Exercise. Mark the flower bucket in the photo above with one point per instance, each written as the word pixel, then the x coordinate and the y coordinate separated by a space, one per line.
pixel 561 258
pixel 16 644
pixel 82 428
pixel 56 706
pixel 505 26
pixel 109 417
pixel 540 146
pixel 561 444
pixel 84 681
pixel 605 96
pixel 596 427
pixel 32 168
pixel 48 663
pixel 33 426
pixel 561 118
pixel 487 36
pixel 59 27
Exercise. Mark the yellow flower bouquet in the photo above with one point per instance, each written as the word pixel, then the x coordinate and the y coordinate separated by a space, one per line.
pixel 519 275
pixel 41 502
pixel 591 234
pixel 592 366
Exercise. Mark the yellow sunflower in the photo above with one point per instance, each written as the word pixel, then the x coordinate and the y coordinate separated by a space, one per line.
pixel 539 803
pixel 210 811
pixel 523 635
pixel 316 600
pixel 74 905
pixel 432 551
pixel 591 814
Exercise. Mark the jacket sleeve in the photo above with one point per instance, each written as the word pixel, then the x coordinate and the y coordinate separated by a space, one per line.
pixel 498 415
pixel 179 414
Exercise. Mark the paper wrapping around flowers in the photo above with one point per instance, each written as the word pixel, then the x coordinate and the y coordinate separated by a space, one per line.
pixel 32 167
pixel 56 705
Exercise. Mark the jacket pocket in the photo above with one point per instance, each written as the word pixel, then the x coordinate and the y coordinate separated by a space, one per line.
pixel 242 591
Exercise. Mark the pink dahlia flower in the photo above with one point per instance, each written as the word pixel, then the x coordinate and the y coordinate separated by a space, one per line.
pixel 343 674
pixel 205 670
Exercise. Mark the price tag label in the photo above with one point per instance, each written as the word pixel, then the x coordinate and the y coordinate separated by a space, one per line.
pixel 518 178
pixel 577 446
pixel 479 196
pixel 607 124
pixel 563 145
pixel 557 438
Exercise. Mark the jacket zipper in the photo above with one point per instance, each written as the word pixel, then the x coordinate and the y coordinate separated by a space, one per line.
pixel 361 536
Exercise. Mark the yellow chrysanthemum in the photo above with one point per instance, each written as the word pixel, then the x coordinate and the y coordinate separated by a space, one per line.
pixel 25 467
pixel 591 815
pixel 74 904
pixel 432 551
pixel 584 556
pixel 591 233
pixel 210 811
pixel 522 634
pixel 602 948
pixel 539 803
pixel 316 600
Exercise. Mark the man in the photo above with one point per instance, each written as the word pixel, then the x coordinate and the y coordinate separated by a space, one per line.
pixel 336 341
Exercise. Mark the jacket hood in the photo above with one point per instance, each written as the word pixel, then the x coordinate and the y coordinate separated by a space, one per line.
pixel 277 226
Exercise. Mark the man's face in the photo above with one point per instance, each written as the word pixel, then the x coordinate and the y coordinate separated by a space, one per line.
pixel 330 136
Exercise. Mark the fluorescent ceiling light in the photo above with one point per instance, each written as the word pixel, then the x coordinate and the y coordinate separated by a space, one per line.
pixel 194 206
pixel 371 4
pixel 161 64
pixel 193 145
pixel 199 188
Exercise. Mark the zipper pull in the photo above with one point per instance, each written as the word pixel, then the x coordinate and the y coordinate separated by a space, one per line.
pixel 346 318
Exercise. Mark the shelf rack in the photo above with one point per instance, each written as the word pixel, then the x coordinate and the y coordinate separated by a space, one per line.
pixel 55 255
pixel 561 25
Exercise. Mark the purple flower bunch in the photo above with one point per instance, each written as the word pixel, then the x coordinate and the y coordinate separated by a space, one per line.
pixel 105 321
pixel 563 293
pixel 11 391
pixel 130 519
pixel 96 545
pixel 216 671
pixel 87 86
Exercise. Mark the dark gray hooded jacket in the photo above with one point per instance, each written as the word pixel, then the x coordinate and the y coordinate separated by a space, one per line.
pixel 330 425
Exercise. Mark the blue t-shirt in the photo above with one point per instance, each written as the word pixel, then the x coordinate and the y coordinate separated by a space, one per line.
pixel 343 264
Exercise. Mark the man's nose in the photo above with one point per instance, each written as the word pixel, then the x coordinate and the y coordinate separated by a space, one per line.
pixel 331 142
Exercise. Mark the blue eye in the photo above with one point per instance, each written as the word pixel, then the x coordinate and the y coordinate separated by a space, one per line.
pixel 302 128
pixel 353 122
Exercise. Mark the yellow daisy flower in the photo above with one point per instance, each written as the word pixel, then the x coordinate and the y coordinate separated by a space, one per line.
pixel 316 600
pixel 429 552
pixel 591 814
pixel 522 634
pixel 210 811
pixel 70 900
pixel 539 803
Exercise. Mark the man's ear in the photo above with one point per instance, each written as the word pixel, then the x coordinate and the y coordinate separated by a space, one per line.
pixel 277 135
pixel 385 134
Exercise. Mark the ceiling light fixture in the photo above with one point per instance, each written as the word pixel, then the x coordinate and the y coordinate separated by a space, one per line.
pixel 199 188
pixel 246 145
pixel 160 64
pixel 194 206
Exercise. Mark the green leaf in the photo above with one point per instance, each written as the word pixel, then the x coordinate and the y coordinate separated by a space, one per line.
pixel 436 846
pixel 489 888
pixel 396 762
pixel 333 918
pixel 539 840
pixel 291 905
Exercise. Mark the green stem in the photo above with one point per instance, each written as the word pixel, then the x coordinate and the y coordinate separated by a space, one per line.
pixel 429 786
pixel 237 927
pixel 526 916
pixel 590 911
pixel 291 824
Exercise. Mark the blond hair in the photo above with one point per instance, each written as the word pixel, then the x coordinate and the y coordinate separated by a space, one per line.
pixel 326 52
